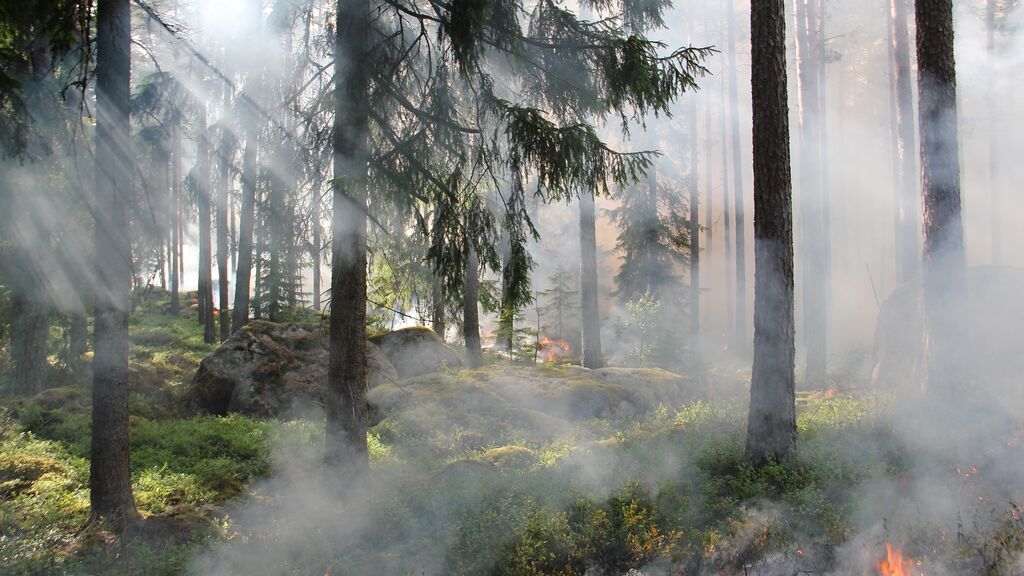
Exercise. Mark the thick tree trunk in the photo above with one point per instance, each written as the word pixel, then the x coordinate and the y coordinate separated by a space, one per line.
pixel 223 233
pixel 110 482
pixel 944 266
pixel 345 445
pixel 203 190
pixel 909 200
pixel 246 221
pixel 771 426
pixel 811 194
pixel 29 330
pixel 740 330
pixel 470 312
pixel 590 313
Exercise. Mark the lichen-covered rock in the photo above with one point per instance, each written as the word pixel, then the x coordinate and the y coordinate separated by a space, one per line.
pixel 995 313
pixel 265 368
pixel 417 351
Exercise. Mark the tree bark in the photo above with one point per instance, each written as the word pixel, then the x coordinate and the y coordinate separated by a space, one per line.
pixel 811 194
pixel 694 214
pixel 995 221
pixel 944 268
pixel 909 201
pixel 246 221
pixel 740 330
pixel 346 401
pixel 590 318
pixel 470 313
pixel 176 219
pixel 771 426
pixel 437 302
pixel 29 329
pixel 222 231
pixel 203 190
pixel 110 482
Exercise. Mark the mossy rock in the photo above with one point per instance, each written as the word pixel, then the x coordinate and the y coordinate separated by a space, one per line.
pixel 273 369
pixel 511 457
pixel 416 351
pixel 20 471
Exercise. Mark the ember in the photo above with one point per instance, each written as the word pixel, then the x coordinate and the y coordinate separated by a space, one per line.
pixel 552 349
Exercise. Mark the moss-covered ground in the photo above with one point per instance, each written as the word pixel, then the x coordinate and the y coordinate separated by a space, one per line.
pixel 467 482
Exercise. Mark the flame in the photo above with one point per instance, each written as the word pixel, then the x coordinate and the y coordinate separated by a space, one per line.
pixel 552 349
pixel 894 563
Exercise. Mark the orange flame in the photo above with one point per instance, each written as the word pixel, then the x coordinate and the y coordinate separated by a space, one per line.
pixel 552 349
pixel 894 564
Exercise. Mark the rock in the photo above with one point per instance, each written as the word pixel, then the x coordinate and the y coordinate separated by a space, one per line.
pixel 265 368
pixel 417 351
pixel 995 313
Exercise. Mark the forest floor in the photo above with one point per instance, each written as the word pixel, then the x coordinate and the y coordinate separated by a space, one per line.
pixel 461 488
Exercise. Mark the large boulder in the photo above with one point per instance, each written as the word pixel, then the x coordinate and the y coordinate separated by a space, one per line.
pixel 995 313
pixel 267 369
pixel 417 351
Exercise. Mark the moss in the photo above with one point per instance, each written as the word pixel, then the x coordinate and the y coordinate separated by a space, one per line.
pixel 20 471
pixel 511 457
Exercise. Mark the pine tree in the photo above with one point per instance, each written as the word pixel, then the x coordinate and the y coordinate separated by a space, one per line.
pixel 771 425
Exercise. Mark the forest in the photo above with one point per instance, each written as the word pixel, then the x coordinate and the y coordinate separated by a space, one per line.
pixel 511 287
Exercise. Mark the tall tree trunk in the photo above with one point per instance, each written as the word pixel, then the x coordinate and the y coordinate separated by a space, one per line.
pixel 811 194
pixel 895 152
pixel 727 213
pixel 29 328
pixel 590 313
pixel 740 330
pixel 110 481
pixel 771 425
pixel 203 190
pixel 246 220
pixel 314 255
pixel 470 312
pixel 346 376
pixel 78 339
pixel 176 219
pixel 708 147
pixel 222 230
pixel 995 222
pixel 909 199
pixel 694 216
pixel 437 301
pixel 945 286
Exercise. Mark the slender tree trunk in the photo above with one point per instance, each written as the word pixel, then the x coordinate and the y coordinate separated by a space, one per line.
pixel 346 401
pixel 945 286
pixel 246 223
pixel 740 330
pixel 314 255
pixel 894 151
pixel 771 426
pixel 995 222
pixel 727 214
pixel 909 198
pixel 470 312
pixel 590 317
pixel 110 482
pixel 176 220
pixel 708 148
pixel 694 215
pixel 437 302
pixel 222 230
pixel 811 194
pixel 78 339
pixel 203 191
pixel 233 244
